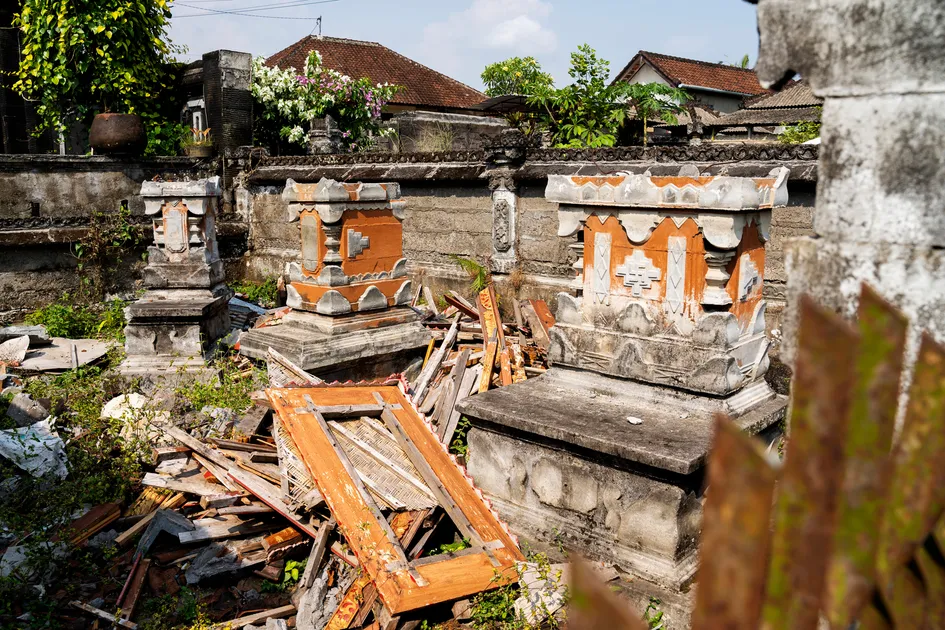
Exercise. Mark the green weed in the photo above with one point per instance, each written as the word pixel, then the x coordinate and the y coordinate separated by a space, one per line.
pixel 266 294
pixel 232 391
pixel 76 321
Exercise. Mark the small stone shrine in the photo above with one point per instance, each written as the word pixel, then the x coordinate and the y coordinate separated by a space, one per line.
pixel 350 294
pixel 605 453
pixel 173 327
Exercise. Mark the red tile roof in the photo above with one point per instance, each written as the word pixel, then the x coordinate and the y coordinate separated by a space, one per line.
pixel 423 86
pixel 681 71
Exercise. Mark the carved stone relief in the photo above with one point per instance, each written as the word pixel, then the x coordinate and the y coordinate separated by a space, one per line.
pixel 601 278
pixel 638 272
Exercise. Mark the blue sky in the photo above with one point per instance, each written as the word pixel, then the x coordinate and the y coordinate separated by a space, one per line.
pixel 459 37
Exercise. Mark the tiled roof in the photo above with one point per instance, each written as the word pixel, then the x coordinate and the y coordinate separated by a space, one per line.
pixel 797 94
pixel 681 71
pixel 423 86
pixel 771 116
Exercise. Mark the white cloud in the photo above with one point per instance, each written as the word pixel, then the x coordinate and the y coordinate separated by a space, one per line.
pixel 500 28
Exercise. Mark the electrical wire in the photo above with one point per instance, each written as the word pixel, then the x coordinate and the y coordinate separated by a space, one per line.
pixel 242 11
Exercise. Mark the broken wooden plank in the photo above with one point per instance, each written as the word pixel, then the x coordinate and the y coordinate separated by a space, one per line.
pixel 232 445
pixel 505 366
pixel 339 412
pixel 263 458
pixel 92 522
pixel 445 410
pixel 462 304
pixel 268 494
pixel 130 601
pixel 222 527
pixel 433 366
pixel 489 317
pixel 128 535
pixel 218 473
pixel 220 500
pixel 469 386
pixel 518 363
pixel 101 614
pixel 537 326
pixel 317 554
pixel 245 510
pixel 190 486
pixel 286 372
pixel 431 303
pixel 276 613
pixel 488 364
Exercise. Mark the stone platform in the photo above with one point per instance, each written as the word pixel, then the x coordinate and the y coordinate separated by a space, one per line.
pixel 170 331
pixel 563 465
pixel 368 345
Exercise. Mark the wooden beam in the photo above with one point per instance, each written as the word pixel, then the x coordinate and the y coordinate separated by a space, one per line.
pixel 433 366
pixel 445 410
pixel 101 614
pixel 276 613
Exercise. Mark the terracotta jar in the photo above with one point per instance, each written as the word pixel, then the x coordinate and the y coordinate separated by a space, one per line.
pixel 118 134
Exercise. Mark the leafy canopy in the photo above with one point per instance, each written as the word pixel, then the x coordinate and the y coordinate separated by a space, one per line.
pixel 518 75
pixel 84 57
pixel 590 111
pixel 656 101
pixel 800 133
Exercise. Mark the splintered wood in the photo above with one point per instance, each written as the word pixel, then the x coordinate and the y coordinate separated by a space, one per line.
pixel 403 584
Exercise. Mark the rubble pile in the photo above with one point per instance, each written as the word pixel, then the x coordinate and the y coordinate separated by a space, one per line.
pixel 334 506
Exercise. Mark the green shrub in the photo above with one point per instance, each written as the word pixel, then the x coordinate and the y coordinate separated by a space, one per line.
pixel 231 392
pixel 62 319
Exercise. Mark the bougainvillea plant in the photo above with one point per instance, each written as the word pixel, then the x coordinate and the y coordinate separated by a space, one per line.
pixel 290 101
pixel 84 57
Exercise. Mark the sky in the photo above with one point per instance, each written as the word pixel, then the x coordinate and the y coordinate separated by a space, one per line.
pixel 460 37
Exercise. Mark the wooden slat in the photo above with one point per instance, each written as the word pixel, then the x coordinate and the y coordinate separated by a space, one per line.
pixel 488 364
pixel 433 365
pixel 916 498
pixel 461 304
pixel 807 494
pixel 851 575
pixel 445 408
pixel 489 316
pixel 735 533
pixel 505 366
pixel 469 385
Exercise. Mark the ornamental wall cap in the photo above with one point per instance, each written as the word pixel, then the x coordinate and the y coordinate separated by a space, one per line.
pixel 210 187
pixel 687 191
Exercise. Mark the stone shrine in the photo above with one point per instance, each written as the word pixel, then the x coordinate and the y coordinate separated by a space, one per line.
pixel 174 325
pixel 605 453
pixel 350 294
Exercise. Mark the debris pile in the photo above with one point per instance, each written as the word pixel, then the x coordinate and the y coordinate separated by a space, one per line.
pixel 321 506
pixel 477 351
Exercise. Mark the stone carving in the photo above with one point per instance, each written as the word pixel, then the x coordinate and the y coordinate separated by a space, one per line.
pixel 501 228
pixel 676 276
pixel 638 272
pixel 749 278
pixel 601 270
pixel 716 278
pixel 357 243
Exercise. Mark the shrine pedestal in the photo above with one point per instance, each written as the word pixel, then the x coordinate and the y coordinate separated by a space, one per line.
pixel 562 463
pixel 349 294
pixel 172 329
pixel 605 454
pixel 362 345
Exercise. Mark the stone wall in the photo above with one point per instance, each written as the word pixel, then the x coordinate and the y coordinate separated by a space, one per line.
pixel 46 202
pixel 46 205
pixel 450 207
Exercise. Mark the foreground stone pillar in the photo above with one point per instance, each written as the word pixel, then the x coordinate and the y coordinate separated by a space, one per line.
pixel 879 66
pixel 350 294
pixel 173 327
pixel 605 453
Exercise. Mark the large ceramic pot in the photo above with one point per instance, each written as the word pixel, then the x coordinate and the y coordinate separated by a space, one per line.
pixel 118 134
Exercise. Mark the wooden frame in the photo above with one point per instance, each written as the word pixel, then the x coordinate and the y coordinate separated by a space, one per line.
pixel 403 585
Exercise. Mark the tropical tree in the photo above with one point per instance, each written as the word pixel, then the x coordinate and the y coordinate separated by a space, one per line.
pixel 590 111
pixel 84 57
pixel 656 101
pixel 517 75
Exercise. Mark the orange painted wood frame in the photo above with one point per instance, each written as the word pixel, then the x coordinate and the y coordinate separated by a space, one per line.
pixel 402 586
